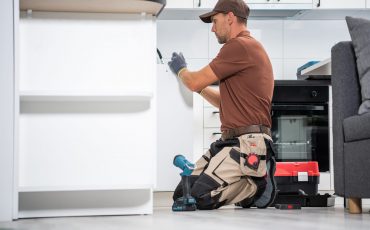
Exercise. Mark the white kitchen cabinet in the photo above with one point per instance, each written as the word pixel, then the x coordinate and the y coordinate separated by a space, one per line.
pixel 94 6
pixel 204 3
pixel 174 131
pixel 339 4
pixel 262 4
pixel 179 4
pixel 278 1
pixel 86 105
pixel 86 125
pixel 206 125
pixel 298 9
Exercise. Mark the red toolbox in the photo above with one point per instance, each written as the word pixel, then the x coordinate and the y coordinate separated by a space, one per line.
pixel 295 177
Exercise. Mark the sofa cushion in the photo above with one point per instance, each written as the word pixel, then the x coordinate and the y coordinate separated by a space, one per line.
pixel 359 30
pixel 357 127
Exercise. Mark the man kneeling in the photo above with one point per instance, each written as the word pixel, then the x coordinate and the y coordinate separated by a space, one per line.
pixel 239 167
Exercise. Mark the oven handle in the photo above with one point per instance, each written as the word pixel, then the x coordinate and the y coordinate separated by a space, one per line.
pixel 299 107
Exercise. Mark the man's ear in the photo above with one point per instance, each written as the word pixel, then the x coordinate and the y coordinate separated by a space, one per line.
pixel 231 17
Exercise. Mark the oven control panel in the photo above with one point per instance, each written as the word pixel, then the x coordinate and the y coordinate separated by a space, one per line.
pixel 305 94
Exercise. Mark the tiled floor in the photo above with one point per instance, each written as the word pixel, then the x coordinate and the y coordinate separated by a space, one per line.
pixel 227 218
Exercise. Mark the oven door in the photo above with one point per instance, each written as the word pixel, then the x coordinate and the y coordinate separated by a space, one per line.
pixel 301 133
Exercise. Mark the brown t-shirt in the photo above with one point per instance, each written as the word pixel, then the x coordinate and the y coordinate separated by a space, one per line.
pixel 246 82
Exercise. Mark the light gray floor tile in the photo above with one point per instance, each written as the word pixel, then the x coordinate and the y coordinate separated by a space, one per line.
pixel 228 218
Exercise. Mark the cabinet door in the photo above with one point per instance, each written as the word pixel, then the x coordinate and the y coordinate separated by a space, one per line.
pixel 212 3
pixel 258 1
pixel 205 3
pixel 291 1
pixel 179 4
pixel 278 1
pixel 339 4
pixel 173 136
pixel 211 117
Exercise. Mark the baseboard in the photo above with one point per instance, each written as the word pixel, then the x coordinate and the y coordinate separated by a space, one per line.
pixel 162 199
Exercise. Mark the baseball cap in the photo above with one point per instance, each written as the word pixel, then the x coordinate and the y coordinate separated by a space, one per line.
pixel 238 7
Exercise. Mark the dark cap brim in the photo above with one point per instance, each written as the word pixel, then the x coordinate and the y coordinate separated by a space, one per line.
pixel 207 17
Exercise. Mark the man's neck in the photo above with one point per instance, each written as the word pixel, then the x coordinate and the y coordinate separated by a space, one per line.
pixel 237 30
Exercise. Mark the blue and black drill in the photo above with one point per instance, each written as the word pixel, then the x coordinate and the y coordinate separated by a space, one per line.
pixel 186 202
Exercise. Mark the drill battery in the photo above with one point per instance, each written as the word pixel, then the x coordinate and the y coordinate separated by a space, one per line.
pixel 184 204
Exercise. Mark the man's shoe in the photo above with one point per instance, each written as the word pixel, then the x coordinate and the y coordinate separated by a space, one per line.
pixel 268 196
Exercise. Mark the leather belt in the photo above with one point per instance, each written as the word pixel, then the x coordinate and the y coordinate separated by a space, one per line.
pixel 232 133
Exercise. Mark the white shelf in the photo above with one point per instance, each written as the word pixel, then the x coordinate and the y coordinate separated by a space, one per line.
pixel 320 68
pixel 83 188
pixel 85 203
pixel 33 96
pixel 94 6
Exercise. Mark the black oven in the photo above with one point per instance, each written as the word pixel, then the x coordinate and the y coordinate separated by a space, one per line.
pixel 300 122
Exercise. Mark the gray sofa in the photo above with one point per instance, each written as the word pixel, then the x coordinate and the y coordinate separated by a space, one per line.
pixel 351 132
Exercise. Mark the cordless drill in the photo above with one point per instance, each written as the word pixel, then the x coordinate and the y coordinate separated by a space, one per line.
pixel 186 202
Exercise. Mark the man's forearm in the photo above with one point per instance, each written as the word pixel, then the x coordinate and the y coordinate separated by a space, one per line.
pixel 189 79
pixel 211 95
pixel 197 80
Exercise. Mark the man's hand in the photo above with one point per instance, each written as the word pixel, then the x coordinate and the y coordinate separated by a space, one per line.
pixel 177 63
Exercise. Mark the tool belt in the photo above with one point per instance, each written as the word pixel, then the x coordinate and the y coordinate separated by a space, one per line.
pixel 232 133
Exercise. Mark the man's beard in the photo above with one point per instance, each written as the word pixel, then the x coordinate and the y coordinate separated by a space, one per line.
pixel 221 39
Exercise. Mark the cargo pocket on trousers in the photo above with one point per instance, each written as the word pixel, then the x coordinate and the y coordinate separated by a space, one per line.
pixel 253 155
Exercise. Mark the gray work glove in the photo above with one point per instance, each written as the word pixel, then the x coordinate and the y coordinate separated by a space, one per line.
pixel 177 63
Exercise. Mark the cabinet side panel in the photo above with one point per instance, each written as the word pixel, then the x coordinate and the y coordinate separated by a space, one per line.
pixel 6 109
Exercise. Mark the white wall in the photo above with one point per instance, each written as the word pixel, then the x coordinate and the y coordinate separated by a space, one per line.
pixel 289 43
pixel 6 109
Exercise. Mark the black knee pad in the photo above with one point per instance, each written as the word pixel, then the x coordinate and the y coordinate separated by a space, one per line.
pixel 204 184
pixel 201 191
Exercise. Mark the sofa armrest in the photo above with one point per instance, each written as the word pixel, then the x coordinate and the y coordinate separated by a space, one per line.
pixel 357 127
pixel 345 82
